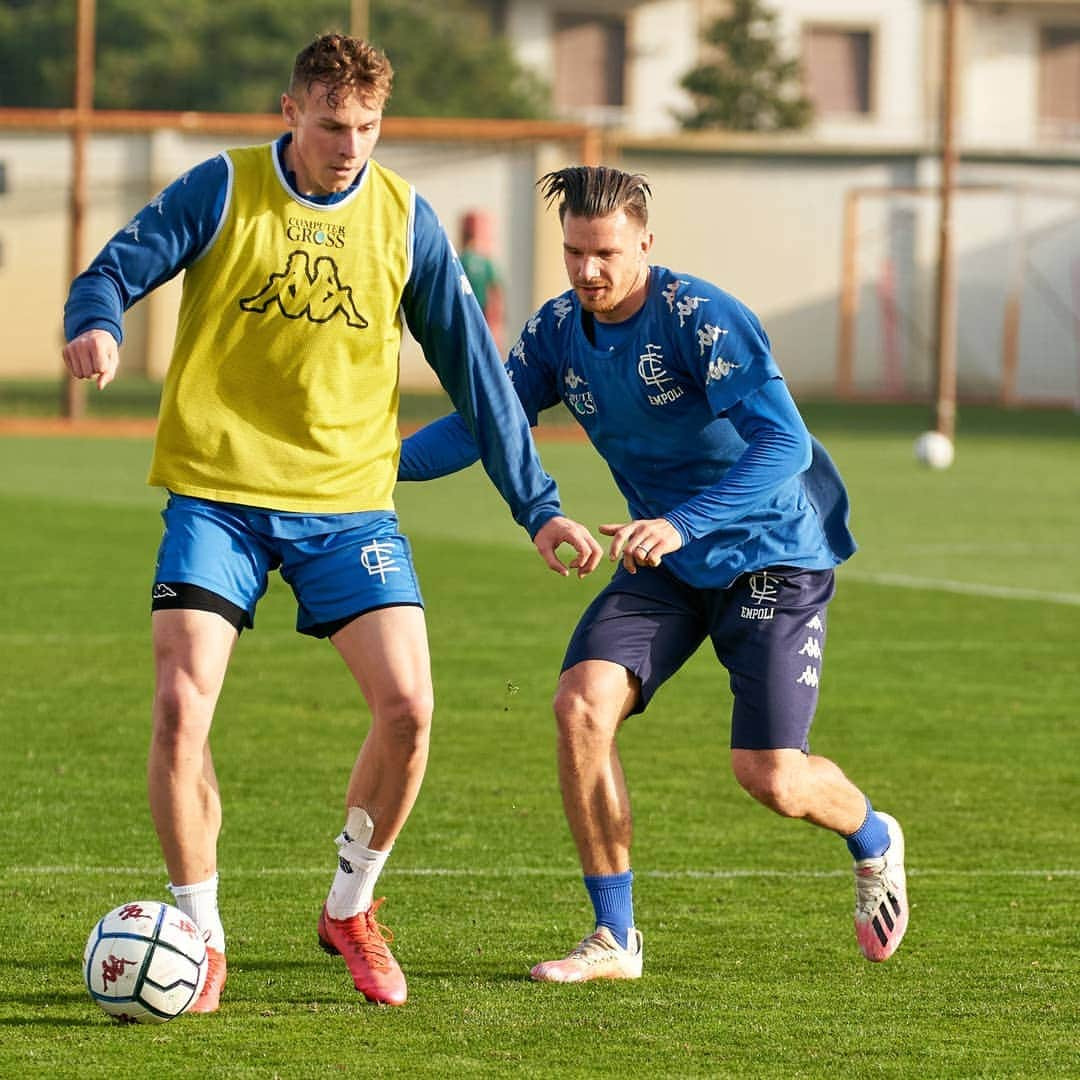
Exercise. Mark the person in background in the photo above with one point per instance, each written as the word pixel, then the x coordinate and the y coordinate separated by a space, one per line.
pixel 737 518
pixel 481 270
pixel 278 444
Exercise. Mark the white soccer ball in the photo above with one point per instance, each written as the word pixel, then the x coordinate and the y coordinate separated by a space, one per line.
pixel 145 962
pixel 934 449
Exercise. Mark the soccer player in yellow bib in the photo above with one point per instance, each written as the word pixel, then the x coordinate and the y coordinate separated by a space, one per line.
pixel 278 446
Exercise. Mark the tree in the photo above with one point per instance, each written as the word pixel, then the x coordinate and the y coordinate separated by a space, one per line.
pixel 448 63
pixel 235 56
pixel 749 86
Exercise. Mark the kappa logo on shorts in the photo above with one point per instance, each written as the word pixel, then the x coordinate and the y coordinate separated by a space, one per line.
pixel 161 592
pixel 377 558
pixel 812 649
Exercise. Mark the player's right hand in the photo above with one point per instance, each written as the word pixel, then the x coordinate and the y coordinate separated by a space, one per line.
pixel 93 355
pixel 563 530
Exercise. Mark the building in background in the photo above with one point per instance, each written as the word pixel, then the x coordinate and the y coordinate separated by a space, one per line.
pixel 871 67
pixel 830 234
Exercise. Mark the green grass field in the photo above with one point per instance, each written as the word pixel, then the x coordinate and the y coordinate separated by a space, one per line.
pixel 951 693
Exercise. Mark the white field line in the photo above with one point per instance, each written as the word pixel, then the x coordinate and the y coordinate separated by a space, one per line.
pixel 1003 592
pixel 524 872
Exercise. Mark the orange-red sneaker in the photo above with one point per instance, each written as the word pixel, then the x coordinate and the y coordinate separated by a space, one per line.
pixel 210 998
pixel 363 944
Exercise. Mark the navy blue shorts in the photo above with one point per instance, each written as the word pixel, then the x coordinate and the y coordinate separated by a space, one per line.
pixel 217 557
pixel 767 628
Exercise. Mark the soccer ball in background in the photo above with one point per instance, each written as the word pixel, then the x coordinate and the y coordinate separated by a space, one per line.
pixel 145 962
pixel 934 449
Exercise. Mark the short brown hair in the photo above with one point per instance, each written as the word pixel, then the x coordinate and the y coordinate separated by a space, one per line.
pixel 344 65
pixel 594 191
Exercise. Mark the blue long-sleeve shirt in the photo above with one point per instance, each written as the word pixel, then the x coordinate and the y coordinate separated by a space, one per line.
pixel 176 227
pixel 690 412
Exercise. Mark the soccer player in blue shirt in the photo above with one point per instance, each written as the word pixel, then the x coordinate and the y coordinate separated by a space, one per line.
pixel 737 517
pixel 278 442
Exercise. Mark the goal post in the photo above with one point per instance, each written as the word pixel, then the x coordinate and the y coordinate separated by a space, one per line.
pixel 1016 251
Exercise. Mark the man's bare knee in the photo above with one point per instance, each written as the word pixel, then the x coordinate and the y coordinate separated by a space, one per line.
pixel 581 720
pixel 777 784
pixel 406 721
pixel 182 711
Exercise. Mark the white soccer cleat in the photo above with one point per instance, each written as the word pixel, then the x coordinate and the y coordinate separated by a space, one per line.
pixel 598 956
pixel 881 904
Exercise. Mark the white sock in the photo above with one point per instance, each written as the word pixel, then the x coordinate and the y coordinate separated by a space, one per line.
pixel 359 867
pixel 199 902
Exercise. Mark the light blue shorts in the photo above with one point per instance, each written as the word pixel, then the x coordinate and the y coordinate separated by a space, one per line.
pixel 218 556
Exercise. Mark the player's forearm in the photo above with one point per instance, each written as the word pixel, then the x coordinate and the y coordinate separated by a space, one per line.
pixel 778 449
pixel 442 447
pixel 94 303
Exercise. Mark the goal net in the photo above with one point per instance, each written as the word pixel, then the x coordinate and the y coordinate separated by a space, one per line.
pixel 1017 272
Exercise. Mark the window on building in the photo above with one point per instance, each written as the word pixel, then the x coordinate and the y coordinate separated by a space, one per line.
pixel 590 61
pixel 837 66
pixel 1059 80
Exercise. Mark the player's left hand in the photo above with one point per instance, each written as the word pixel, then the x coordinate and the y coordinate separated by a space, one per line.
pixel 563 530
pixel 642 543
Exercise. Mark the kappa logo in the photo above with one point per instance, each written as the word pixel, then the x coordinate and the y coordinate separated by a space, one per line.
pixel 186 926
pixel 561 307
pixel 719 369
pixel 466 285
pixel 688 305
pixel 533 324
pixel 684 307
pixel 816 624
pixel 302 291
pixel 377 558
pixel 672 291
pixel 162 592
pixel 809 677
pixel 583 404
pixel 518 352
pixel 812 648
pixel 112 969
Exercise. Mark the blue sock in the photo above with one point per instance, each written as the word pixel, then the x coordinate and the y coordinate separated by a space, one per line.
pixel 871 839
pixel 612 898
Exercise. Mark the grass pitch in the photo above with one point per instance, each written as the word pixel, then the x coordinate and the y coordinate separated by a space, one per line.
pixel 951 693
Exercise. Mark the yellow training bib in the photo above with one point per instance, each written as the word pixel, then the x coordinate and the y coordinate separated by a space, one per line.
pixel 282 391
